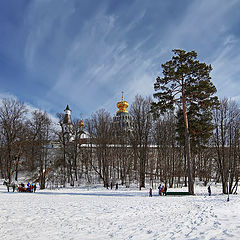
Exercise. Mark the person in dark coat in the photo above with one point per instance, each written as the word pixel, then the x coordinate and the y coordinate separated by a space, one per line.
pixel 159 189
pixel 209 190
pixel 34 187
pixel 150 192
pixel 165 190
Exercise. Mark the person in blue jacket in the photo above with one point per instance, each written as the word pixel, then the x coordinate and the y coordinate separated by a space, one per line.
pixel 159 189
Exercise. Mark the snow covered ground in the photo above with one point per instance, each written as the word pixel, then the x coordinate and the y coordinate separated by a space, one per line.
pixel 98 213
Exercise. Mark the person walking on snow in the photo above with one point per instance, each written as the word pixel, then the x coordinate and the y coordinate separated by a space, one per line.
pixel 165 190
pixel 150 192
pixel 161 192
pixel 209 190
pixel 159 189
pixel 34 187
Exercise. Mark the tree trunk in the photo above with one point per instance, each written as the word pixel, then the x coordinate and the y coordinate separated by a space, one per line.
pixel 16 169
pixel 187 142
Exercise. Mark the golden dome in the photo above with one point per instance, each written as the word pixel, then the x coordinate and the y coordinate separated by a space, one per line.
pixel 81 123
pixel 122 106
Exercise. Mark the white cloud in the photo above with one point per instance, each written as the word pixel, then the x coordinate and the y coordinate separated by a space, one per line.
pixel 226 73
pixel 7 95
pixel 28 106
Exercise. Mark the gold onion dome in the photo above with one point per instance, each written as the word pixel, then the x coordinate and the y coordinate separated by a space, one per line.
pixel 81 123
pixel 122 106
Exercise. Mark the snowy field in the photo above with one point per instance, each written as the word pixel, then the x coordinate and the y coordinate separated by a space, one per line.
pixel 98 213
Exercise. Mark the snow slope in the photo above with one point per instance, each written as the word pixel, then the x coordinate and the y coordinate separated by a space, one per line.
pixel 122 214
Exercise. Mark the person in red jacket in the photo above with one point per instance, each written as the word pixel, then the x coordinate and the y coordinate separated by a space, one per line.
pixel 161 191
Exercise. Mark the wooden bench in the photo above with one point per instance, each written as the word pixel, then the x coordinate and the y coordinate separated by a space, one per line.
pixel 177 193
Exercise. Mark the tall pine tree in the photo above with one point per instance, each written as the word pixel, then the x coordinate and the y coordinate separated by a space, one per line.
pixel 185 82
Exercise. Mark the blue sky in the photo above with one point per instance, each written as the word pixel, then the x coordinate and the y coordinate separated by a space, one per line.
pixel 84 53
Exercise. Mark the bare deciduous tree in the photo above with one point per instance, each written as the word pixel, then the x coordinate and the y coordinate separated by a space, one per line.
pixel 140 140
pixel 226 139
pixel 101 133
pixel 12 113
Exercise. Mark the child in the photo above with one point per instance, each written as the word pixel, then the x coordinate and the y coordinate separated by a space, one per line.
pixel 161 193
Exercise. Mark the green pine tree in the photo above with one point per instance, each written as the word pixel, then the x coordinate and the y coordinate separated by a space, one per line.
pixel 186 82
pixel 200 127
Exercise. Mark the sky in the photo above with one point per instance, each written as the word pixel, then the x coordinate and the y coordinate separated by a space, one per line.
pixel 85 53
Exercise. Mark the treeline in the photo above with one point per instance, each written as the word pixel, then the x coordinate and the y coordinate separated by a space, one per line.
pixel 186 134
pixel 152 152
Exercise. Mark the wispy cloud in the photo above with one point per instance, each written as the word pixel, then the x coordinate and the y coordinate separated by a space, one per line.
pixel 84 53
pixel 207 28
pixel 97 64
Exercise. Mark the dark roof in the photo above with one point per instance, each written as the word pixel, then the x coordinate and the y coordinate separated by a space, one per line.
pixel 67 108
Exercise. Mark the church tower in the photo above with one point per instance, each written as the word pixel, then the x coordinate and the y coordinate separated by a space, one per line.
pixel 67 121
pixel 122 121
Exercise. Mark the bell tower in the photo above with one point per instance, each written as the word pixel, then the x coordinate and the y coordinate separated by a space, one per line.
pixel 122 121
pixel 67 121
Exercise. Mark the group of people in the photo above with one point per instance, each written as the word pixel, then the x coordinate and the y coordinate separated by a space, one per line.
pixel 162 190
pixel 111 186
pixel 31 187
